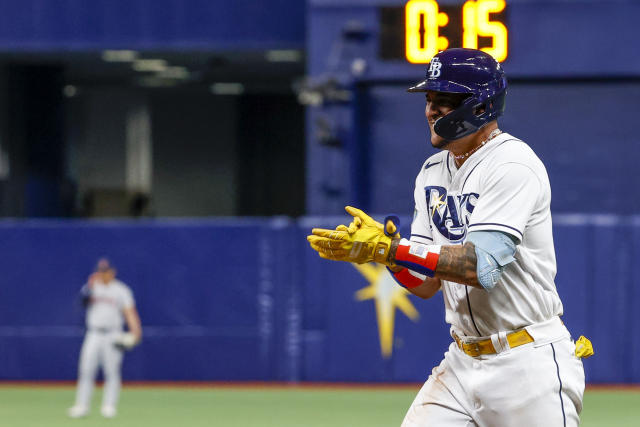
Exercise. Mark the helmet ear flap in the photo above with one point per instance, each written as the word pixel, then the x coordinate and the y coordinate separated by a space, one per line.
pixel 470 116
pixel 459 122
pixel 480 109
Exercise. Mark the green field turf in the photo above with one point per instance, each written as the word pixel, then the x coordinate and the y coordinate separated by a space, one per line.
pixel 26 406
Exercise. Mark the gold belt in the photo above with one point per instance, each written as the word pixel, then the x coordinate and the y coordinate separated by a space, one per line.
pixel 475 349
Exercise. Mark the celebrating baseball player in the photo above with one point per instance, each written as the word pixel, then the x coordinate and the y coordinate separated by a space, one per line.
pixel 109 303
pixel 482 235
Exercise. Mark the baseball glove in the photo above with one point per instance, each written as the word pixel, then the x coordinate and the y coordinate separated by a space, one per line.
pixel 364 240
pixel 126 341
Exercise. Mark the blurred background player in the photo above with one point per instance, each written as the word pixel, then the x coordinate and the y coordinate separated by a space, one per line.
pixel 109 303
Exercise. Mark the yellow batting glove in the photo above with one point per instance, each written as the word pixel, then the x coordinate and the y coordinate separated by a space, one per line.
pixel 364 240
pixel 329 243
pixel 362 219
pixel 355 224
pixel 584 348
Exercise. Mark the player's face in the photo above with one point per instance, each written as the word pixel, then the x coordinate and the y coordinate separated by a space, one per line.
pixel 108 275
pixel 440 104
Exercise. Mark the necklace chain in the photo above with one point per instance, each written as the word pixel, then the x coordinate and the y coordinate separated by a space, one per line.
pixel 492 135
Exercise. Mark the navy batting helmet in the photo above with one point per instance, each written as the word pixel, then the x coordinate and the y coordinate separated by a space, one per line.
pixel 466 71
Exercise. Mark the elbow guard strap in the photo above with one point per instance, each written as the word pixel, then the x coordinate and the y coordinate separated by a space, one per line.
pixel 418 257
pixel 494 251
pixel 407 278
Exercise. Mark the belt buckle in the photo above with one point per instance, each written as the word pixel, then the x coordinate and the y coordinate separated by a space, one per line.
pixel 475 349
pixel 471 348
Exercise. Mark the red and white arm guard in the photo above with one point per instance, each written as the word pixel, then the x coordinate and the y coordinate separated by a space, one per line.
pixel 407 278
pixel 419 262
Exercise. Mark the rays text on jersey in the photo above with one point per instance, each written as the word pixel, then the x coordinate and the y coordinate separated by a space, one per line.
pixel 450 212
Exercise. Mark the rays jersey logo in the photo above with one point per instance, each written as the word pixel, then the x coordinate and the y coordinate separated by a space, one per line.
pixel 450 212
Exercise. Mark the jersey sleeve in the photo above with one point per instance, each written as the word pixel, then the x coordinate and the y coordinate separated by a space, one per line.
pixel 420 228
pixel 507 200
pixel 127 300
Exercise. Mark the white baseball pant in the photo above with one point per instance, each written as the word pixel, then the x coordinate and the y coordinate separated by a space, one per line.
pixel 536 384
pixel 98 349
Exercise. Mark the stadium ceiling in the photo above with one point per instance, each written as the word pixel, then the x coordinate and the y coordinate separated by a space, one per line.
pixel 269 71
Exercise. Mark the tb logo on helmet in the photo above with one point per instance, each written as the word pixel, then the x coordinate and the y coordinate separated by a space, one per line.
pixel 434 68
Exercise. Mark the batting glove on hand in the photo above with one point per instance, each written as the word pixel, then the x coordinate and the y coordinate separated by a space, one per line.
pixel 364 240
pixel 355 224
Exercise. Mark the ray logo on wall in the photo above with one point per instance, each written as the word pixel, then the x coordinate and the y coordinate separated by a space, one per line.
pixel 388 296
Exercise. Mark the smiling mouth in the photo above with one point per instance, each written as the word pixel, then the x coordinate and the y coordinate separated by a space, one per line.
pixel 432 123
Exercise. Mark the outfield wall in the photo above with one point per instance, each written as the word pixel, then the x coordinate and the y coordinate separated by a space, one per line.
pixel 248 300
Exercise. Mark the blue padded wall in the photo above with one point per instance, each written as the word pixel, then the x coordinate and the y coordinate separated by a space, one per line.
pixel 206 293
pixel 248 300
pixel 151 24
pixel 576 144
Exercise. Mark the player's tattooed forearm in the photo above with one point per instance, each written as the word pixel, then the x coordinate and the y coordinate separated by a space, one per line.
pixel 458 264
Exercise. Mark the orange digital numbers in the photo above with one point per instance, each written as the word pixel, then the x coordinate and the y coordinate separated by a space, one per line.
pixel 423 20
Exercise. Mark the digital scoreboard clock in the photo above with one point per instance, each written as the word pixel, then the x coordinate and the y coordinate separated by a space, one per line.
pixel 423 28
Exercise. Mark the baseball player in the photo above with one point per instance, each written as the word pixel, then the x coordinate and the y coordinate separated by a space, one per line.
pixel 482 235
pixel 109 303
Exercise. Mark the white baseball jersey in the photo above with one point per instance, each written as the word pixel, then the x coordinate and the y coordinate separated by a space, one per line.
pixel 503 186
pixel 106 305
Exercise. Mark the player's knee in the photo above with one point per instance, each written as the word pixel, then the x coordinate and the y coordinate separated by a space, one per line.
pixel 112 375
pixel 86 372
